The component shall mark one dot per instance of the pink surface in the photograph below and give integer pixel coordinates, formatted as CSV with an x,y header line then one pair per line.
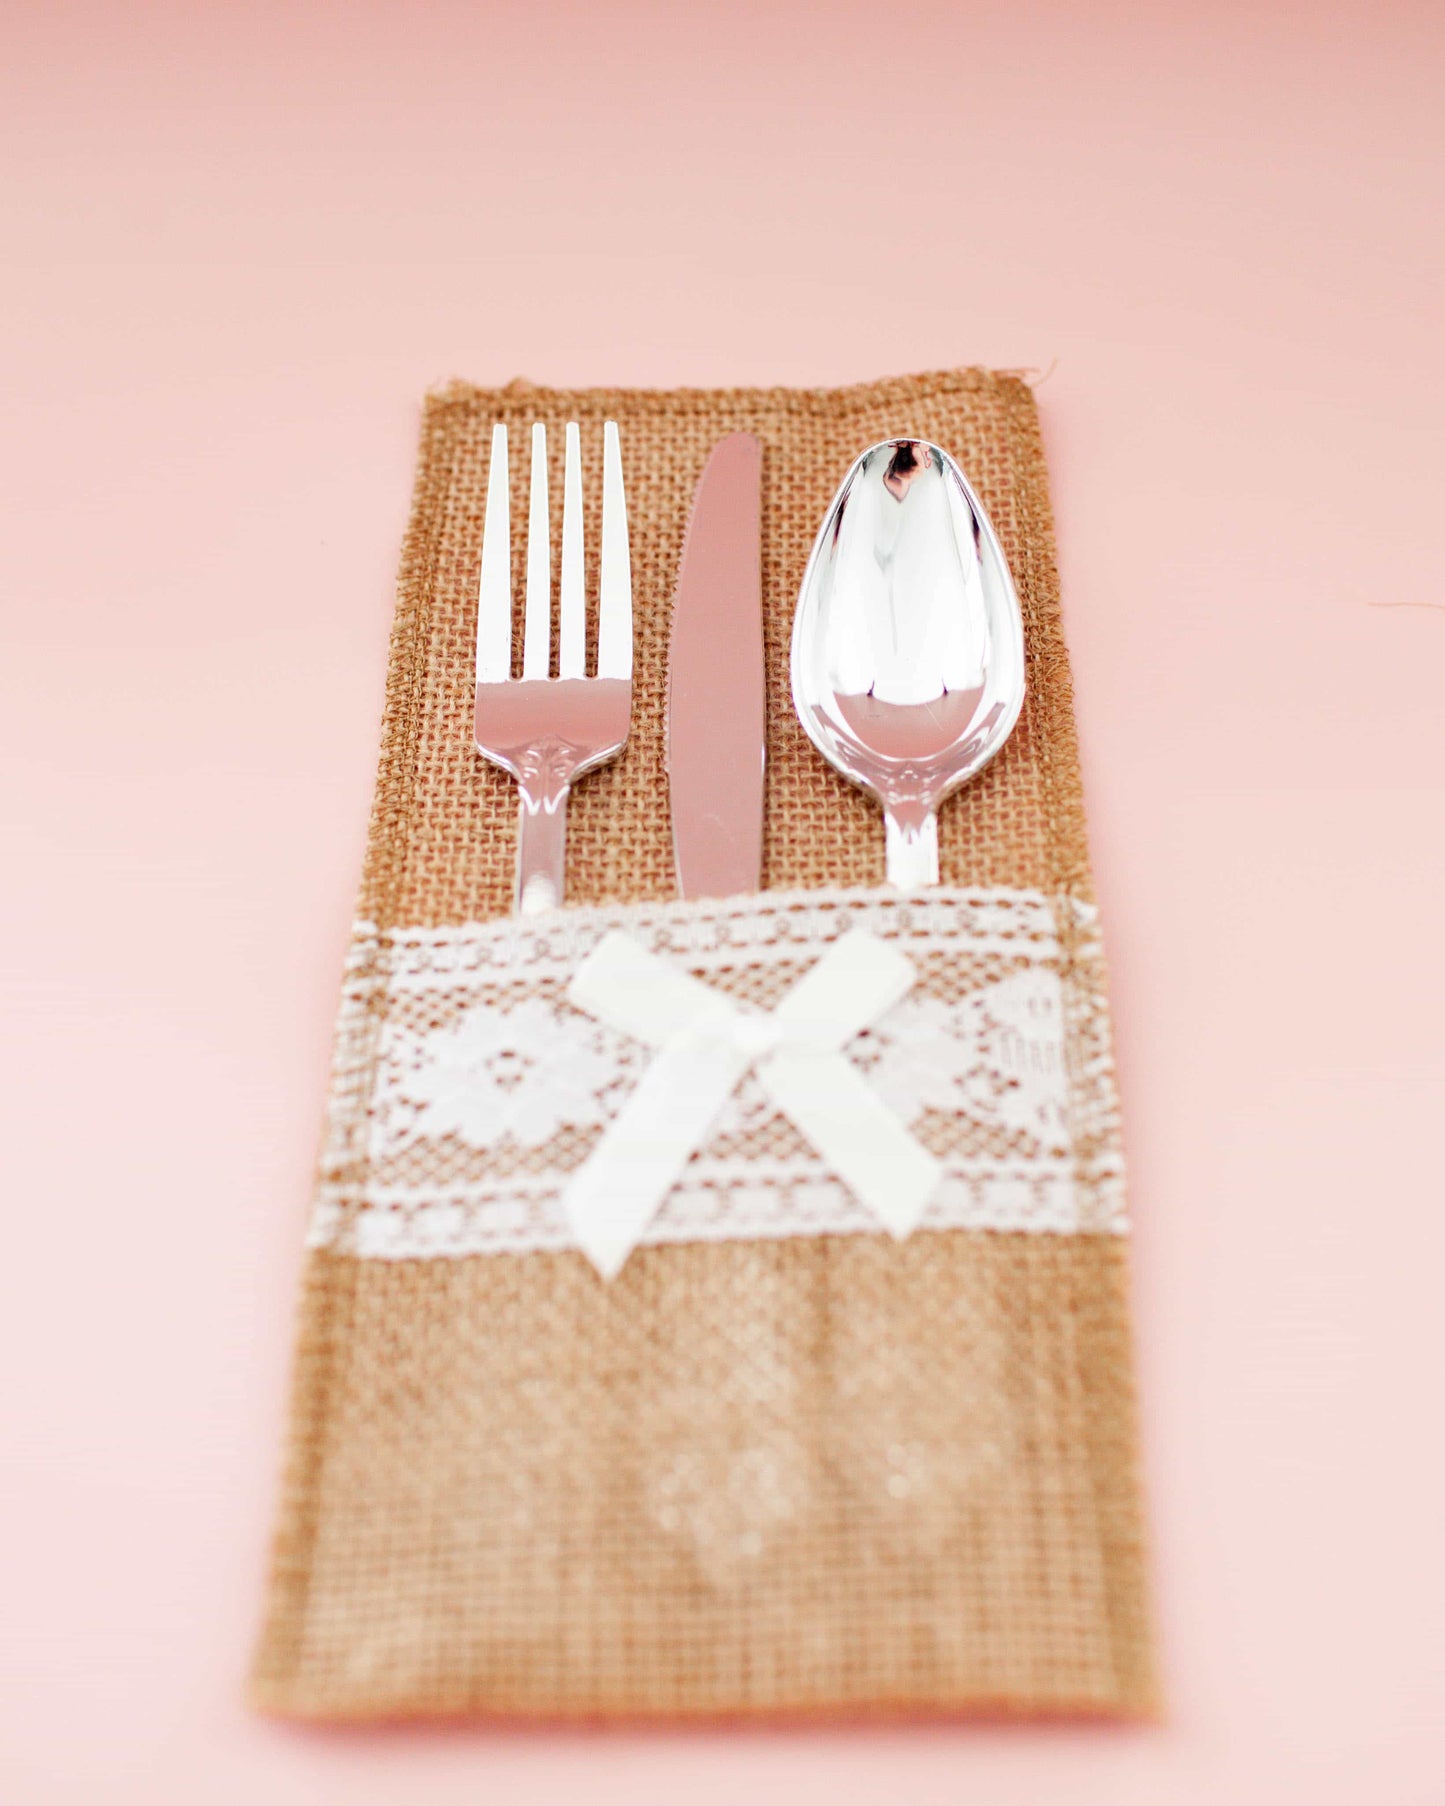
x,y
239,242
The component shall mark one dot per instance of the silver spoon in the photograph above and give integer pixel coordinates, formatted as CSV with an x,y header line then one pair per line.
x,y
908,644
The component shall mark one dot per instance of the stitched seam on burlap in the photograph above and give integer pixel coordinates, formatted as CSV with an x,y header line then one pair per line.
x,y
323,1323
1069,834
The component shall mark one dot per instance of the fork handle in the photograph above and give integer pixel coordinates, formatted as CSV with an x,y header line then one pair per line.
x,y
541,850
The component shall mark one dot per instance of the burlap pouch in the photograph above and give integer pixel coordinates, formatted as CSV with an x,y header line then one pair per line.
x,y
783,1463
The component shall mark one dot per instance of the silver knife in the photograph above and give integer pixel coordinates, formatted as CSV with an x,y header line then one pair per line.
x,y
715,696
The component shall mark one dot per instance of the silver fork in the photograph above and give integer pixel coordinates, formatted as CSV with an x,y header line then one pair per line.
x,y
547,731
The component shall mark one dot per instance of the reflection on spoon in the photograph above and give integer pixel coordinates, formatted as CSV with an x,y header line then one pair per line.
x,y
909,458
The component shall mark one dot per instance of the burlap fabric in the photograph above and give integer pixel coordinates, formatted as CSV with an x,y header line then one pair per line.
x,y
813,1474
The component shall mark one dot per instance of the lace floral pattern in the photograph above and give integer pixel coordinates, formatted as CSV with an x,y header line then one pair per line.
x,y
498,1075
467,1087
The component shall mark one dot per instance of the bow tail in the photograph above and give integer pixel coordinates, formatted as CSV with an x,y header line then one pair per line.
x,y
856,1133
618,1190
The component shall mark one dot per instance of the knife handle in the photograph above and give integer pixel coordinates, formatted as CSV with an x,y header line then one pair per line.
x,y
541,849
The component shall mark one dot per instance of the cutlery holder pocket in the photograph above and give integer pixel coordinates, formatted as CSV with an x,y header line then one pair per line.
x,y
793,1457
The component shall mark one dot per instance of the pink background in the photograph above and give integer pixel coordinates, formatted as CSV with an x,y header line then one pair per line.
x,y
238,244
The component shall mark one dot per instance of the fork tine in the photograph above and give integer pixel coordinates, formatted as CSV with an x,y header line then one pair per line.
x,y
614,627
494,589
572,613
537,625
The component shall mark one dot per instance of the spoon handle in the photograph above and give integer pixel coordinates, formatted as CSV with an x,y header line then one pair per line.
x,y
912,848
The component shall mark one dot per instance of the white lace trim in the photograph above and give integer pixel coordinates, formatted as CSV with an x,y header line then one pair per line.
x,y
466,1087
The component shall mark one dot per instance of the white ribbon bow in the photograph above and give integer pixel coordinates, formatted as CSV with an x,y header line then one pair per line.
x,y
705,1043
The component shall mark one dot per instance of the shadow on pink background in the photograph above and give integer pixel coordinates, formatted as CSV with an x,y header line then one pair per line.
x,y
239,243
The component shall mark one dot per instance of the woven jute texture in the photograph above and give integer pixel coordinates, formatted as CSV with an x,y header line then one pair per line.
x,y
809,1475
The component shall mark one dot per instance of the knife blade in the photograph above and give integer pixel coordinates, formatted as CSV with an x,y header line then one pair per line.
x,y
715,695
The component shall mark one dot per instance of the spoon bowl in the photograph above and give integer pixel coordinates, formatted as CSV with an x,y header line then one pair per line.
x,y
908,646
